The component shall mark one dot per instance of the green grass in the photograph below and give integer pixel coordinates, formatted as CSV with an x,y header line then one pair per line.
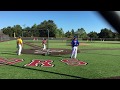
x,y
101,63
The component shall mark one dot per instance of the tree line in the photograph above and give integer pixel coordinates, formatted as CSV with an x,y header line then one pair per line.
x,y
41,30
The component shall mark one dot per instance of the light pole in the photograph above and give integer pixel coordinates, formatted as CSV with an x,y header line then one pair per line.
x,y
23,29
48,43
22,32
14,34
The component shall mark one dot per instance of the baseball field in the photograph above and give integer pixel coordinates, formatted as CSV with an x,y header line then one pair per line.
x,y
95,60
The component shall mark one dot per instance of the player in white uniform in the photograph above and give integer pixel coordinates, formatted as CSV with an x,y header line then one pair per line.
x,y
19,43
74,45
44,44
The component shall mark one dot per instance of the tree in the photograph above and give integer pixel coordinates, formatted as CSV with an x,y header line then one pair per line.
x,y
50,25
106,33
27,32
60,33
34,31
93,34
17,30
73,32
5,31
81,33
116,35
8,31
68,34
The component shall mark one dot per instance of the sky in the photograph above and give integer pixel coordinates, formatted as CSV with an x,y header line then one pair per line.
x,y
67,20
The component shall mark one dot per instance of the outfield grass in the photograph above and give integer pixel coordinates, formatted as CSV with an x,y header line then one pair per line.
x,y
101,63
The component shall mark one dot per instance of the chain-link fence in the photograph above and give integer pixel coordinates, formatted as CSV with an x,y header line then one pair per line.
x,y
4,37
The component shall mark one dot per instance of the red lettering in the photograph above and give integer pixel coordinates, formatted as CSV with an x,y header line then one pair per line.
x,y
46,63
74,62
33,63
2,61
10,61
14,61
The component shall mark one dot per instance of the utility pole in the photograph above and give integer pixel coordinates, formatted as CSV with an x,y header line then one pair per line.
x,y
23,29
48,43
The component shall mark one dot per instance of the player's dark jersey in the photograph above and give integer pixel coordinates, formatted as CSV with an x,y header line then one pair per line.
x,y
74,43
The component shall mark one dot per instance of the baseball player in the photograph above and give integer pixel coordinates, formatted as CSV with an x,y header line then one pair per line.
x,y
74,44
19,43
44,41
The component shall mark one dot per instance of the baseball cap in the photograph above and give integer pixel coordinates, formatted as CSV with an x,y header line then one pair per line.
x,y
75,36
19,36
